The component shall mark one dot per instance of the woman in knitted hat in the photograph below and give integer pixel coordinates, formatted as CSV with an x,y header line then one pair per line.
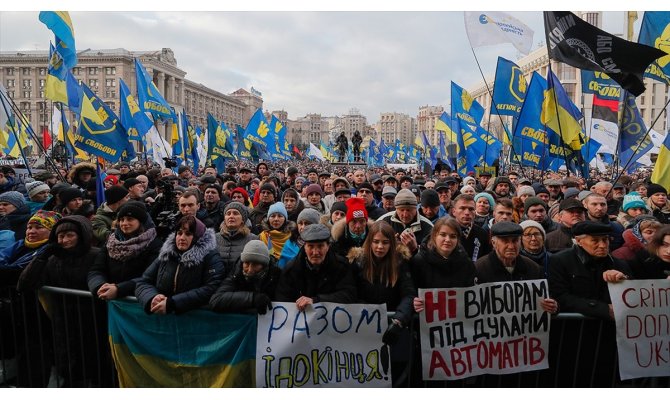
x,y
294,205
484,204
632,206
307,217
276,229
314,196
233,234
14,214
532,244
17,256
130,248
71,199
384,277
186,273
64,263
38,195
657,203
241,196
252,284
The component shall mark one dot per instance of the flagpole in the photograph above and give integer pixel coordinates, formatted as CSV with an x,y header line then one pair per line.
x,y
494,106
16,137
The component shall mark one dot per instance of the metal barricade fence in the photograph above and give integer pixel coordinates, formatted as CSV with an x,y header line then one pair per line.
x,y
58,338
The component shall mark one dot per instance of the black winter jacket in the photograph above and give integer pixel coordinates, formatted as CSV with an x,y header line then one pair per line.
x,y
332,282
188,279
491,269
430,270
236,293
17,222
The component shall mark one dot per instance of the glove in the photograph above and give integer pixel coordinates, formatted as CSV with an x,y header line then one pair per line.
x,y
392,334
262,303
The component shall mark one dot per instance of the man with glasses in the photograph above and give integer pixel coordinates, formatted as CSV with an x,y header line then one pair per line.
x,y
377,185
366,192
444,192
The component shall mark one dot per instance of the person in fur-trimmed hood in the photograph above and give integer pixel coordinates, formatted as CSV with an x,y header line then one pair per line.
x,y
353,230
186,273
80,174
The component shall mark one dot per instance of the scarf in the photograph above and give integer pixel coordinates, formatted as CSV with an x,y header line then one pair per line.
x,y
34,245
276,241
637,233
466,231
123,250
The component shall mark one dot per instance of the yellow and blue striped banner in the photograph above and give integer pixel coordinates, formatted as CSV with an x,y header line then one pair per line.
x,y
196,349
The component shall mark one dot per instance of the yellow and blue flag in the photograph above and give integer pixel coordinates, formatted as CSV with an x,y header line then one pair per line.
x,y
559,114
633,140
530,138
220,143
61,85
243,145
661,173
281,144
100,132
475,145
655,32
136,123
257,129
150,99
509,88
60,24
196,349
190,142
446,124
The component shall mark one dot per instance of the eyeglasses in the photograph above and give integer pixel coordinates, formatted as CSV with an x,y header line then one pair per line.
x,y
532,235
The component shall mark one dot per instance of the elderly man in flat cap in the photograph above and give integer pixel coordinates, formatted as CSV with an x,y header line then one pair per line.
x,y
317,273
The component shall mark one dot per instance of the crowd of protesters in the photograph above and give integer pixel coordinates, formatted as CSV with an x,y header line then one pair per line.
x,y
307,232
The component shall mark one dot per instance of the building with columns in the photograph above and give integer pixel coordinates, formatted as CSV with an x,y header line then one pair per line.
x,y
24,76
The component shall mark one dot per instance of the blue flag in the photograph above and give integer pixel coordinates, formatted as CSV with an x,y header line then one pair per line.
x,y
530,138
60,24
136,123
61,86
509,88
189,137
654,32
633,141
220,143
599,83
471,138
99,185
257,130
150,99
100,132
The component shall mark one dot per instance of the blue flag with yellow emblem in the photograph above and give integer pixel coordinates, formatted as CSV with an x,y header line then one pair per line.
x,y
100,132
136,123
633,140
257,129
61,86
509,88
190,142
219,143
530,137
600,83
655,32
60,24
150,99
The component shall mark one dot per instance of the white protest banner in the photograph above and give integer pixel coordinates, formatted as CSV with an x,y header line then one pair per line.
x,y
327,345
642,316
494,328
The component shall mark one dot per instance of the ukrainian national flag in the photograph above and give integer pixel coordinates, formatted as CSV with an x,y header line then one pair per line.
x,y
60,24
559,114
196,349
661,173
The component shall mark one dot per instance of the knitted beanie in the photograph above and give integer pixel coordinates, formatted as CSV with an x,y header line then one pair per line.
x,y
36,187
404,198
310,215
654,188
356,208
241,191
14,198
488,197
45,218
313,188
115,193
529,223
525,190
278,208
255,251
633,200
69,194
133,209
233,205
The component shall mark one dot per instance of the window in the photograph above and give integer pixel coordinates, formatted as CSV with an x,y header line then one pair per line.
x,y
653,114
92,70
10,83
79,81
76,71
10,71
110,93
10,94
110,82
41,94
110,70
111,104
27,83
26,94
43,71
642,99
42,82
25,71
25,106
93,83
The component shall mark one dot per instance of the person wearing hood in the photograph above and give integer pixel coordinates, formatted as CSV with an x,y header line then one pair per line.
x,y
484,205
38,195
186,273
104,217
636,238
14,215
233,235
353,230
294,205
80,174
276,230
252,284
64,263
125,255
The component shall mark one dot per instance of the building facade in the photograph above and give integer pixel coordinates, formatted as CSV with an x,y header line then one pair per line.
x,y
392,126
426,119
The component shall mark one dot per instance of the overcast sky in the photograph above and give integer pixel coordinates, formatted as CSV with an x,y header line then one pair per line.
x,y
302,62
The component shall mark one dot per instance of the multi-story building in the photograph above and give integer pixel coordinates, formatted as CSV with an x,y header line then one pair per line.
x,y
352,122
392,126
252,101
24,75
428,116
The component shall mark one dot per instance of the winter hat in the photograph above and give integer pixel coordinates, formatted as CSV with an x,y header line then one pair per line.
x,y
115,194
278,208
633,200
338,206
533,201
59,187
14,198
69,194
45,218
301,179
313,188
255,251
269,187
356,208
290,192
242,192
239,207
35,187
310,215
183,168
571,193
529,223
112,178
133,209
654,188
430,198
200,228
488,197
404,198
130,182
525,190
468,179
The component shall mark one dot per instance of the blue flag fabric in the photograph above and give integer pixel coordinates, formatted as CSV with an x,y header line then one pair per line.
x,y
60,24
471,138
601,84
654,32
100,133
136,123
530,137
243,146
99,186
509,89
189,137
220,143
633,141
150,99
257,128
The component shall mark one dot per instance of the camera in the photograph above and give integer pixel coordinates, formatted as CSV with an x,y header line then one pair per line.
x,y
170,162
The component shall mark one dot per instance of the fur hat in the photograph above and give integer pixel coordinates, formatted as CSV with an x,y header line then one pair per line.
x,y
255,251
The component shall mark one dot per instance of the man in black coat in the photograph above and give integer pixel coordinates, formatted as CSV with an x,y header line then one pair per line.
x,y
317,274
474,239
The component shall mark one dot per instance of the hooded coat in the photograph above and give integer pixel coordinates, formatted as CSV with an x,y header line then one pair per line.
x,y
16,221
236,293
342,239
187,278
